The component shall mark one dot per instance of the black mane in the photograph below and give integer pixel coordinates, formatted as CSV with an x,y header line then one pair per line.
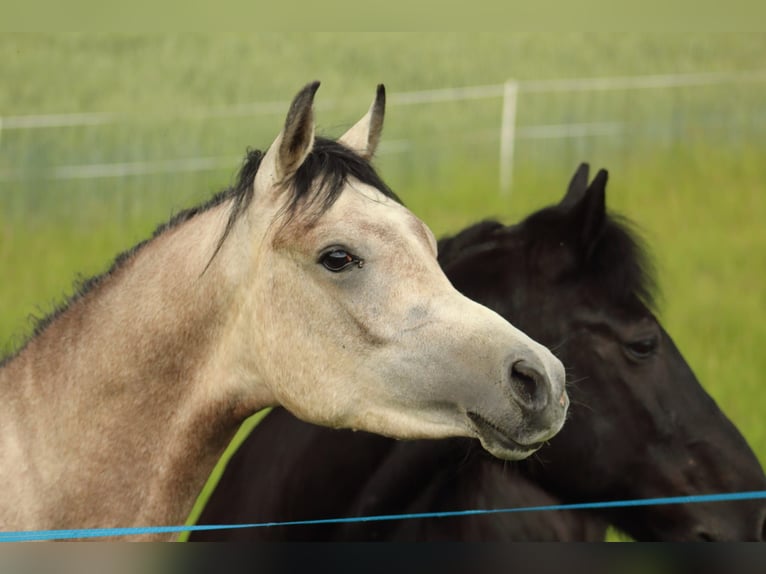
x,y
329,164
622,264
482,235
619,261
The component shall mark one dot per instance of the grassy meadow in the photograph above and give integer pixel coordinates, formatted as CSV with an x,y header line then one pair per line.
x,y
686,163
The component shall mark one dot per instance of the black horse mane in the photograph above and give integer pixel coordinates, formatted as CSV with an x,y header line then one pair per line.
x,y
329,164
619,261
622,264
482,235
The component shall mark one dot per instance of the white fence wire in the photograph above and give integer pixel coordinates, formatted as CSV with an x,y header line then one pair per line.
x,y
664,81
512,95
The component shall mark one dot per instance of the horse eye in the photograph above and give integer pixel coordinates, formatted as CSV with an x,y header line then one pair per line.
x,y
338,259
642,349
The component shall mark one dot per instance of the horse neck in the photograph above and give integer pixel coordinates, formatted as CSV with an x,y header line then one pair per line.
x,y
119,402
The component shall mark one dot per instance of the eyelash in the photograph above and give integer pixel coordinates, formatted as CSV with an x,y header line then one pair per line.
x,y
641,349
338,259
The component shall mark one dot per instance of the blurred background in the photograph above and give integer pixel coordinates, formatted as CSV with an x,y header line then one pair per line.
x,y
102,137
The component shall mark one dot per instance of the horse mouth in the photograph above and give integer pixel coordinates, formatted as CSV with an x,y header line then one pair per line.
x,y
497,442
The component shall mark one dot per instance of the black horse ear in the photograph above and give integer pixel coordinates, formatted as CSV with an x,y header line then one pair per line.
x,y
590,213
578,185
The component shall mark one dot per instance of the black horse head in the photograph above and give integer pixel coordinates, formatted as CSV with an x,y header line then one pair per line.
x,y
641,426
577,279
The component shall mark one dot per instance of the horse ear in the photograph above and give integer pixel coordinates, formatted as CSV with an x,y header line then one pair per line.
x,y
289,150
591,213
363,137
578,185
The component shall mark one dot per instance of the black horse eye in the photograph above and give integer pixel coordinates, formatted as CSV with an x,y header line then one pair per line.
x,y
338,259
642,348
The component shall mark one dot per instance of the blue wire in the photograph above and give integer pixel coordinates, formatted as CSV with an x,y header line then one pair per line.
x,y
38,535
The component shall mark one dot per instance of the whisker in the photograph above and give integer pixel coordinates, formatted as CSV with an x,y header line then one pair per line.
x,y
561,343
575,382
580,404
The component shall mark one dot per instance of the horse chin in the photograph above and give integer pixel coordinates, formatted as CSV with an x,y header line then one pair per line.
x,y
504,452
498,442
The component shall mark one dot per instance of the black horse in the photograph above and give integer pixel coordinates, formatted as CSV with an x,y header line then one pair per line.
x,y
576,279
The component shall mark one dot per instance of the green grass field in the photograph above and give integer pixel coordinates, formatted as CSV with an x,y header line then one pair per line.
x,y
687,164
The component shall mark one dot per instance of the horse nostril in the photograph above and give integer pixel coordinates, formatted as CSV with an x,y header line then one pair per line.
x,y
703,536
529,385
